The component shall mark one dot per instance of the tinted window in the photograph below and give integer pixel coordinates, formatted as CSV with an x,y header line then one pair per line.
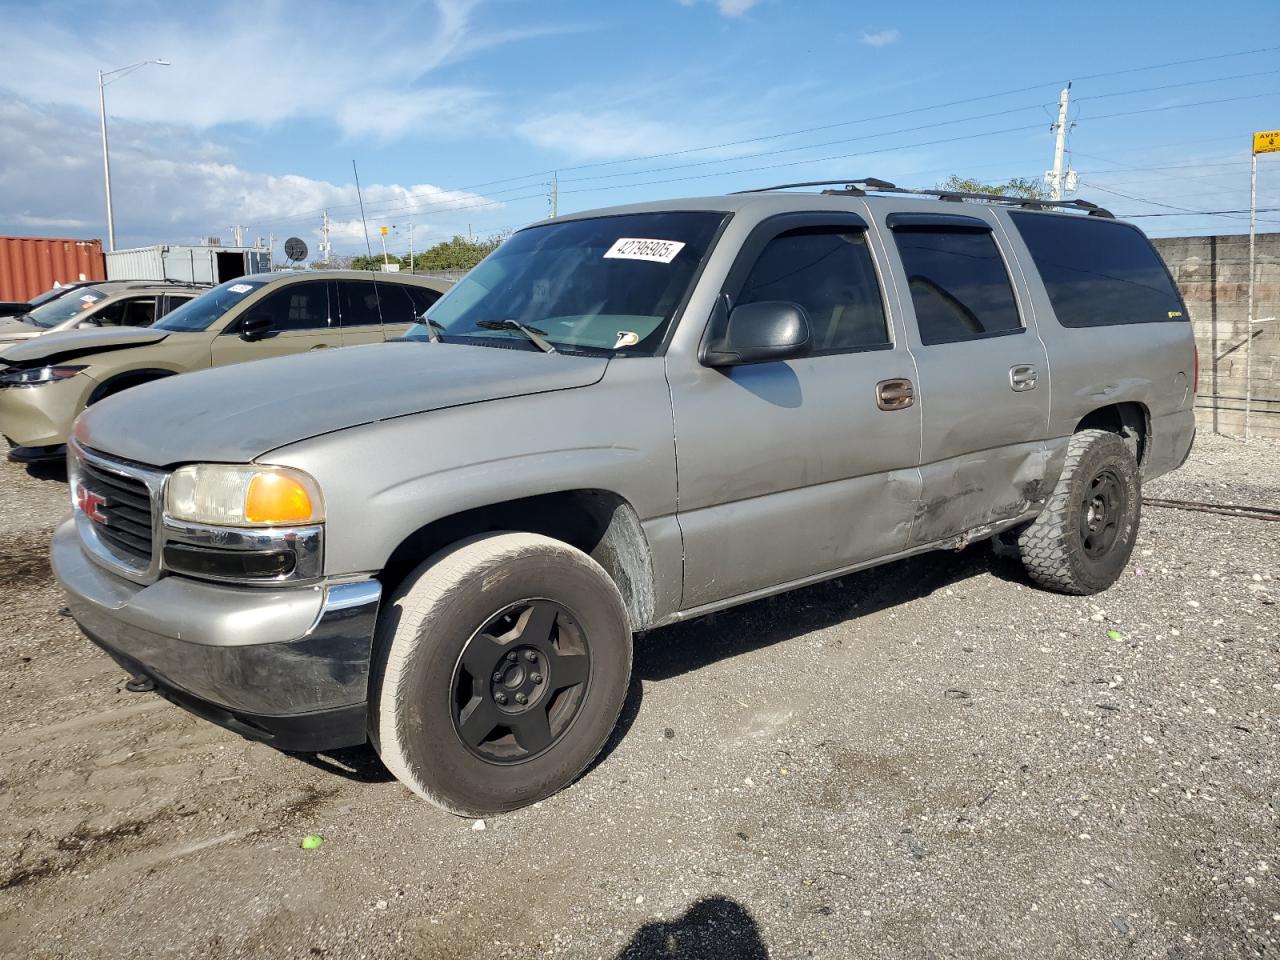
x,y
172,302
959,285
1099,273
398,307
603,283
299,306
423,299
827,271
358,301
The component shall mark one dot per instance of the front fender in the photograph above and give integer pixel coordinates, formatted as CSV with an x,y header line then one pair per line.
x,y
382,481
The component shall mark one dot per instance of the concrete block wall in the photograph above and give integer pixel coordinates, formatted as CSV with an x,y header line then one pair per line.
x,y
1213,275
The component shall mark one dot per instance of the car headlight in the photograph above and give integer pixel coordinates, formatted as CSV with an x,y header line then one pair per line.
x,y
32,376
243,496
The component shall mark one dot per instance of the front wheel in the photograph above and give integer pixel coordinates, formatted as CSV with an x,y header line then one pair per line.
x,y
502,665
1082,539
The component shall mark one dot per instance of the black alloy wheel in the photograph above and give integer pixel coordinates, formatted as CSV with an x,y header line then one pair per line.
x,y
520,682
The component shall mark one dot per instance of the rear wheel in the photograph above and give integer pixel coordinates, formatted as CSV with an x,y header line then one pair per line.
x,y
1082,540
503,664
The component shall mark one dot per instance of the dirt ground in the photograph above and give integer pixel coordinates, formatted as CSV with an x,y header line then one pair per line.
x,y
928,759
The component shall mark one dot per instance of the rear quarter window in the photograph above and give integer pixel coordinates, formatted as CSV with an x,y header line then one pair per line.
x,y
1099,273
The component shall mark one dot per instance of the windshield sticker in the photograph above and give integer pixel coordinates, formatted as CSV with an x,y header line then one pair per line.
x,y
638,248
240,287
626,339
89,298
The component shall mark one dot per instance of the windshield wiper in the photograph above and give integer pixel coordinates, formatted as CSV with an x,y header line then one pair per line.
x,y
536,336
434,329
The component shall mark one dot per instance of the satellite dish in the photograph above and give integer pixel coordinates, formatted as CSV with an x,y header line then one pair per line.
x,y
295,249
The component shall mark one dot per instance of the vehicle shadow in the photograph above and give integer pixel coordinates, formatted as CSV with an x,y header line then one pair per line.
x,y
714,928
671,651
48,470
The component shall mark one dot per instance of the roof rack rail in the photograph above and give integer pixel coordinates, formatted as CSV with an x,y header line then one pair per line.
x,y
859,188
167,280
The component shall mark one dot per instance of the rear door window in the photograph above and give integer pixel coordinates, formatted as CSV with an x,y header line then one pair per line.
x,y
827,271
423,298
358,302
959,284
1099,273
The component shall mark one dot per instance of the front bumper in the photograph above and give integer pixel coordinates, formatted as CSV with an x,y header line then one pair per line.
x,y
41,416
287,666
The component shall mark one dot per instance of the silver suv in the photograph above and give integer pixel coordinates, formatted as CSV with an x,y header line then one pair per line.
x,y
621,419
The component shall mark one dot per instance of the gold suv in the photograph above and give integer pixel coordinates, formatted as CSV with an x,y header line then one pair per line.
x,y
108,303
46,382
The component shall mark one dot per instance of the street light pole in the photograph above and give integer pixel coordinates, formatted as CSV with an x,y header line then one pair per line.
x,y
106,156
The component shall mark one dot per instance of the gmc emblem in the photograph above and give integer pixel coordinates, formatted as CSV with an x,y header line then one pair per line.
x,y
91,504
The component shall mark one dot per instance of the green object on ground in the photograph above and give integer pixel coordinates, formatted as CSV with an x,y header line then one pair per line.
x,y
312,841
1115,635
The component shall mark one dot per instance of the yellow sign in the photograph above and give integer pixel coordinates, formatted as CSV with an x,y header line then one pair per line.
x,y
384,229
1266,141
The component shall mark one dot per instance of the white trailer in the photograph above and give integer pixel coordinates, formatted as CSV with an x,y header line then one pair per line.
x,y
199,264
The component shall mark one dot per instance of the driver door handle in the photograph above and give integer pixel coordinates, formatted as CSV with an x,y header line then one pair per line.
x,y
896,394
1022,377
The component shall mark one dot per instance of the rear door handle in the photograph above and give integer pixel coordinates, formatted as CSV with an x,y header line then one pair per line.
x,y
897,394
1023,377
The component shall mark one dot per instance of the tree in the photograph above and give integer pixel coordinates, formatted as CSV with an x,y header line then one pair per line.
x,y
1027,187
459,253
367,263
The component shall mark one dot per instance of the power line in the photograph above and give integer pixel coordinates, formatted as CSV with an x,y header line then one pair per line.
x,y
900,113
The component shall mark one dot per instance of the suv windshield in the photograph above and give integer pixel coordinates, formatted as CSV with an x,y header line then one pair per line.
x,y
197,314
62,309
609,283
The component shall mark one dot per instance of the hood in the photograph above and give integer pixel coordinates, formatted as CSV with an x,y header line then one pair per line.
x,y
15,328
235,414
67,345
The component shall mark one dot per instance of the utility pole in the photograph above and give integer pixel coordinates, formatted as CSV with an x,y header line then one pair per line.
x,y
411,246
117,74
1248,330
555,195
325,253
1060,180
237,234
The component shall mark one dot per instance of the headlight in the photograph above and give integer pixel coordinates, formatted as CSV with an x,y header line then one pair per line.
x,y
243,496
32,376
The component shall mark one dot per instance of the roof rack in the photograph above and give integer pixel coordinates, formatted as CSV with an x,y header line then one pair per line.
x,y
860,188
133,284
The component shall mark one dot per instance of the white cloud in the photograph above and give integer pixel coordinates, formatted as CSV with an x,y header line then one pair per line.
x,y
171,187
728,8
880,38
259,62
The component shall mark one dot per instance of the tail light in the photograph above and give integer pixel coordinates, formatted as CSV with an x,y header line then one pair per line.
x,y
1195,352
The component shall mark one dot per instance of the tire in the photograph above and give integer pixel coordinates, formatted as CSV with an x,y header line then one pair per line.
x,y
490,619
1081,541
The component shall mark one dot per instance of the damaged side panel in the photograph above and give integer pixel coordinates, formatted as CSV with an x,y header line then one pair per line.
x,y
755,543
967,496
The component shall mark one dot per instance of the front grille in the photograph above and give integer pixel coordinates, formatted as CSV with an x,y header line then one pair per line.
x,y
123,518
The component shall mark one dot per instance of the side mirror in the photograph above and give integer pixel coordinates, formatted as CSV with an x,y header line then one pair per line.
x,y
756,333
255,326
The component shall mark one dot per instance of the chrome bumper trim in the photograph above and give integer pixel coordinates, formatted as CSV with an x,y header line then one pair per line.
x,y
280,652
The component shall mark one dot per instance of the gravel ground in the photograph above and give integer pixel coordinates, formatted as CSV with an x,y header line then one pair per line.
x,y
928,759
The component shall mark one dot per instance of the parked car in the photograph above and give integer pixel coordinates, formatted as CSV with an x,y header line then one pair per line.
x,y
122,303
18,308
619,420
45,384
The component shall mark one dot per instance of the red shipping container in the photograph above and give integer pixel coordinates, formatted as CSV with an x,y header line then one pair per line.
x,y
31,265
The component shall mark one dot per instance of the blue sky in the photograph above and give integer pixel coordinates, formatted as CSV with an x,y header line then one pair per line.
x,y
457,111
